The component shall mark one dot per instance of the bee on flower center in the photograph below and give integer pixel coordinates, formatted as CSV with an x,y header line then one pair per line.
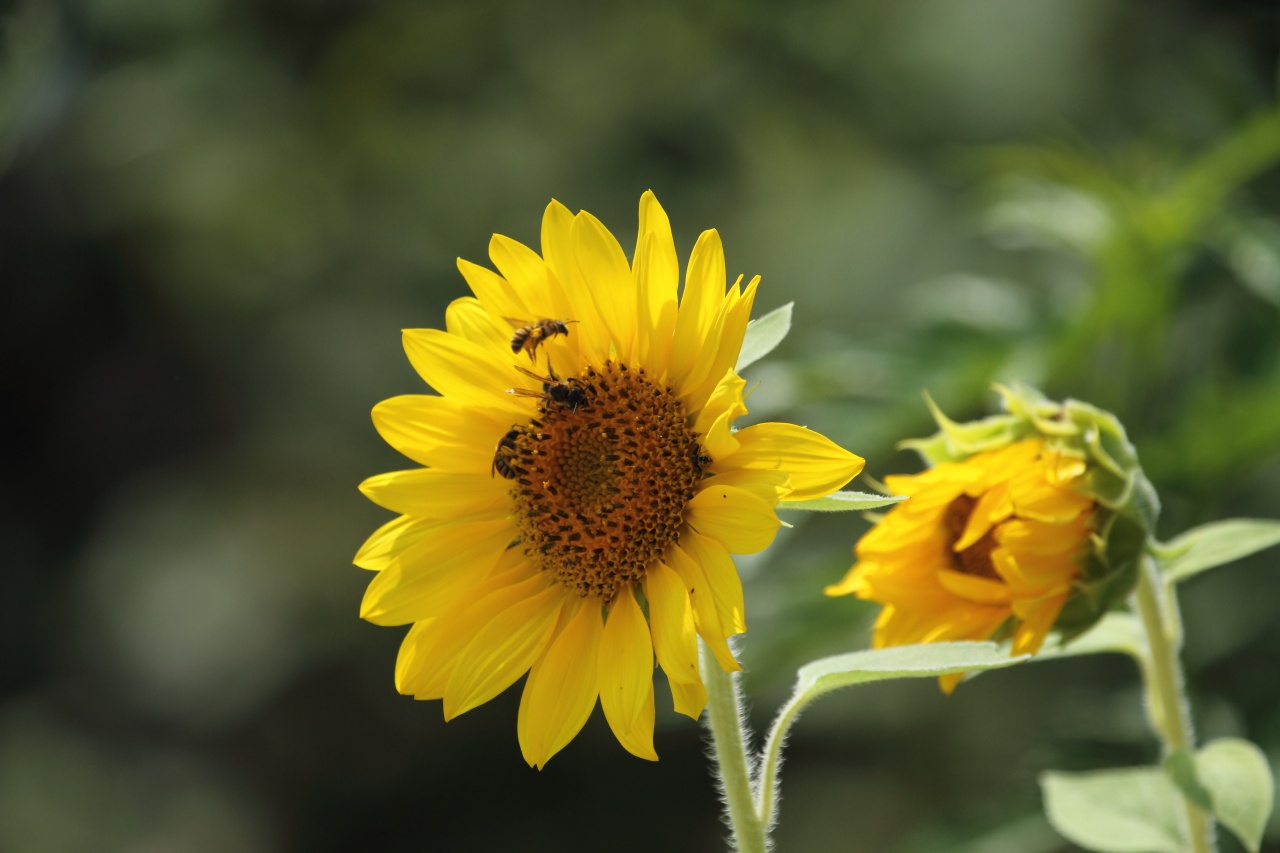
x,y
503,454
698,458
568,393
529,337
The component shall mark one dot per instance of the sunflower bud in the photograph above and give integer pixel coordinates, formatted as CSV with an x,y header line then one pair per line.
x,y
1026,521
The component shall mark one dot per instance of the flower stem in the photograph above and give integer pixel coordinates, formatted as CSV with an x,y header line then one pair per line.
x,y
1157,605
729,751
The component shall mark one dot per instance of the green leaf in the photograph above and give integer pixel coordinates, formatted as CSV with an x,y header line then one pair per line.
x,y
923,661
763,335
843,502
829,674
1114,632
1216,544
1237,778
1133,810
1181,768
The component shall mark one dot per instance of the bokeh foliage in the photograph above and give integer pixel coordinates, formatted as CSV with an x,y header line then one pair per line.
x,y
216,215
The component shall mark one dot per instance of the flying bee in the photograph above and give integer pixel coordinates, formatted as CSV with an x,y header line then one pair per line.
x,y
568,393
502,456
530,337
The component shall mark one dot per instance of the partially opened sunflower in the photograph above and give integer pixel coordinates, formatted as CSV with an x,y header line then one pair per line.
x,y
1026,522
582,489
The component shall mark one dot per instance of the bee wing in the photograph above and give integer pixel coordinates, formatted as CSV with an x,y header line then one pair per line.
x,y
529,373
517,324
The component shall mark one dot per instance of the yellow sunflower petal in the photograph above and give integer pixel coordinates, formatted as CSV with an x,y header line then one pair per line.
x,y
704,287
675,641
526,270
426,578
697,365
657,274
816,465
664,271
439,432
1038,500
689,699
850,584
1037,618
431,648
722,575
612,286
427,493
768,486
742,522
468,318
589,330
561,689
505,642
1039,538
461,370
494,292
706,616
557,240
1033,575
727,341
390,540
714,419
638,739
993,507
657,310
625,675
972,588
412,655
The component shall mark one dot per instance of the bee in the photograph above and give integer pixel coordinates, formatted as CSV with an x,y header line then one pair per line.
x,y
530,337
502,456
568,393
698,458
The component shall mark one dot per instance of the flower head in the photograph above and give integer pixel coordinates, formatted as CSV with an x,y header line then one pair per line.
x,y
1026,522
582,491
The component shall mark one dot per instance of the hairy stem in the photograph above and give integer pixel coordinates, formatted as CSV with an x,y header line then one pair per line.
x,y
729,751
1166,689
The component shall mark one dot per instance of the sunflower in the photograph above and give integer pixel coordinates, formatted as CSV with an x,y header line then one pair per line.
x,y
582,490
989,543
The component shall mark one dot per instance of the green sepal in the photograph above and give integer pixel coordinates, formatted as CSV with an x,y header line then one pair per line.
x,y
955,442
1090,601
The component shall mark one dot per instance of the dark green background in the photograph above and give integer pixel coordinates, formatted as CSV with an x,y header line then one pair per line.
x,y
216,216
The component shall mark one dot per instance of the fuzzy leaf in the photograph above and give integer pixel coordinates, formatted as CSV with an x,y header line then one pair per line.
x,y
763,335
1114,632
1216,544
1133,810
1237,778
843,502
923,661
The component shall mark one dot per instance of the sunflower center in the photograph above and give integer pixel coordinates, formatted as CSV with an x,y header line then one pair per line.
x,y
976,559
602,477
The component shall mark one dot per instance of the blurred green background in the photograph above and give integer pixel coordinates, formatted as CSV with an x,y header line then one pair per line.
x,y
216,216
